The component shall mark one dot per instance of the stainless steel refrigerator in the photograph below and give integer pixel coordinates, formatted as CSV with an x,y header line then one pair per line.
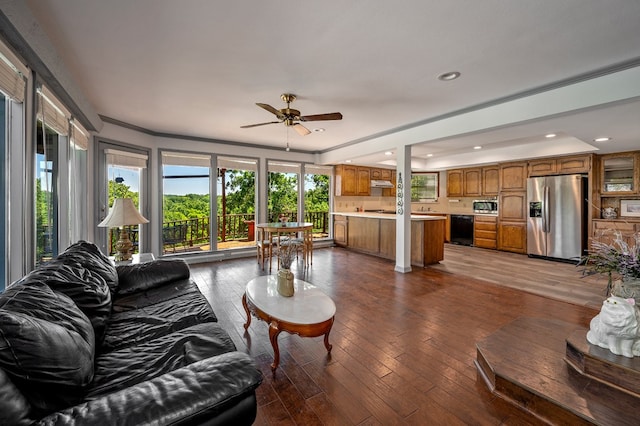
x,y
556,226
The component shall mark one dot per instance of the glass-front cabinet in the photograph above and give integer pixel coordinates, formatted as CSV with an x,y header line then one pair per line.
x,y
619,173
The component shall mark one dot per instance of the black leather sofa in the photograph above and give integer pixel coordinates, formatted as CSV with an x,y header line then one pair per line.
x,y
85,343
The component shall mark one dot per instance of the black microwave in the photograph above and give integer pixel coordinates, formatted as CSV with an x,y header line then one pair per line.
x,y
485,206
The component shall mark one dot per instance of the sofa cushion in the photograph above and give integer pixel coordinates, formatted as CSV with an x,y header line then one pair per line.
x,y
134,364
45,340
14,407
143,276
96,263
88,290
151,320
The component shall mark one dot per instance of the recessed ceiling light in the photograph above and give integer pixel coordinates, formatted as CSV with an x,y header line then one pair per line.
x,y
319,129
347,161
604,139
388,153
429,155
477,147
550,135
448,76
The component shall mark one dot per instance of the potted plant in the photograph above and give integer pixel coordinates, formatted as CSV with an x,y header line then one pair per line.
x,y
620,260
287,252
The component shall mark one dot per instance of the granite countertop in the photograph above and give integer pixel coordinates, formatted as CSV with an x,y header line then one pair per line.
x,y
374,215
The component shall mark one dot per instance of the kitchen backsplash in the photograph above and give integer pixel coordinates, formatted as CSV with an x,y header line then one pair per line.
x,y
461,205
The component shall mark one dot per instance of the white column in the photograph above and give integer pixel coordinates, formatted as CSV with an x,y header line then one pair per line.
x,y
403,209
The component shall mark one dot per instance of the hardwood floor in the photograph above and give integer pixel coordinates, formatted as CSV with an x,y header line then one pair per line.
x,y
404,345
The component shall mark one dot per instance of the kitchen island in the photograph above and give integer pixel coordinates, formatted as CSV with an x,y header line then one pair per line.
x,y
375,233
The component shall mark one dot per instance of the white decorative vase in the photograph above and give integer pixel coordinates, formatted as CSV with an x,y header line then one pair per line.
x,y
285,282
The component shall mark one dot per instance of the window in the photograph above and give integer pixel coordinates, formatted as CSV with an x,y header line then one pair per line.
x,y
316,198
13,79
424,186
283,191
186,202
236,202
122,172
51,140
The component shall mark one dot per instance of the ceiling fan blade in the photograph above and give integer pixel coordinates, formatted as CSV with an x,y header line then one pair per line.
x,y
321,117
271,109
302,131
259,124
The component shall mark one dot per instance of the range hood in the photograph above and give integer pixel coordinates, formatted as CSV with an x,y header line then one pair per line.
x,y
375,183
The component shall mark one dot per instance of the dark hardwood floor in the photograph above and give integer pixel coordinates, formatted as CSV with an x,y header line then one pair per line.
x,y
404,345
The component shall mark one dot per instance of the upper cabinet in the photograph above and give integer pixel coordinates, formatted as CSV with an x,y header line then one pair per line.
x,y
472,179
490,180
352,180
513,176
619,173
560,166
472,182
455,183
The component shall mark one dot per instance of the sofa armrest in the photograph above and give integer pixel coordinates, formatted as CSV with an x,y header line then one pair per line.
x,y
144,276
190,395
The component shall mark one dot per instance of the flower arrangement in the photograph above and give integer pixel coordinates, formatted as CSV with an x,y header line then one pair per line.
x,y
620,260
287,253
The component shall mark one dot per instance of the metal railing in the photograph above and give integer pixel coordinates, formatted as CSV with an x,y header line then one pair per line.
x,y
231,227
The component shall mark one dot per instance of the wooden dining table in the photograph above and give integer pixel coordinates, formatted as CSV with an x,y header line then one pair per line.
x,y
274,231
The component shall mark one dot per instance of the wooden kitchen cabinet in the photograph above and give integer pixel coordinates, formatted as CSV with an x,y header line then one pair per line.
x,y
472,182
512,222
389,192
490,180
574,164
352,180
340,230
604,230
455,183
513,176
513,206
560,166
512,236
363,234
619,174
543,167
485,231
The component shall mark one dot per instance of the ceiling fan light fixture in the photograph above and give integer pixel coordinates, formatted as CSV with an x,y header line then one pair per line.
x,y
448,76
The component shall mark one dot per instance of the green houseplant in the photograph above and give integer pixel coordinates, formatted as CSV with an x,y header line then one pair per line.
x,y
620,260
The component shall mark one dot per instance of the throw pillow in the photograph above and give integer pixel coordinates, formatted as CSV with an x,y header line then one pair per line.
x,y
45,339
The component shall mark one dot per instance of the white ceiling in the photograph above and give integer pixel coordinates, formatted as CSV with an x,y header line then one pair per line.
x,y
197,68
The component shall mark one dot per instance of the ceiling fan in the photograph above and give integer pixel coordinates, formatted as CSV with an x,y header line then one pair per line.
x,y
292,117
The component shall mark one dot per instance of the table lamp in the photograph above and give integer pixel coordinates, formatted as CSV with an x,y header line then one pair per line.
x,y
123,213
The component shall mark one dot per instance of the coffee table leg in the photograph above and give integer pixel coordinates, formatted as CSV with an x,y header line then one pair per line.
x,y
274,331
326,337
246,309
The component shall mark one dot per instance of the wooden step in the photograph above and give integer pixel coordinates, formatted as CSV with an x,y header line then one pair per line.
x,y
603,365
524,363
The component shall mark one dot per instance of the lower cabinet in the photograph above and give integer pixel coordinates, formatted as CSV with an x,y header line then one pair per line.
x,y
363,234
340,227
485,232
605,231
512,236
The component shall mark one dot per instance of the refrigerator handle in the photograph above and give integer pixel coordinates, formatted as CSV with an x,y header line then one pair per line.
x,y
545,211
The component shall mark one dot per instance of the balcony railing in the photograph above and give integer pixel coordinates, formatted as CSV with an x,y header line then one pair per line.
x,y
193,232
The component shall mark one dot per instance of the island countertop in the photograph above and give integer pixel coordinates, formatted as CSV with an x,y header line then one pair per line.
x,y
374,215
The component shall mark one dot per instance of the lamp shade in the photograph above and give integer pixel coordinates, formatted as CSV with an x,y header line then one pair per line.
x,y
122,213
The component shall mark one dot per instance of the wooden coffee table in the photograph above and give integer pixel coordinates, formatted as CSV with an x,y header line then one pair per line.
x,y
308,313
